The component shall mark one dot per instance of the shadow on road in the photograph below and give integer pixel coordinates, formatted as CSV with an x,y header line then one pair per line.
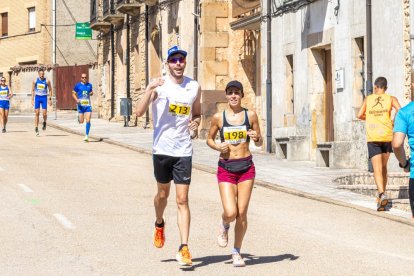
x,y
10,131
249,259
56,135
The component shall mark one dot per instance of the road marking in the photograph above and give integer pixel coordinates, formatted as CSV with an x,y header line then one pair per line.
x,y
64,221
20,116
34,201
25,188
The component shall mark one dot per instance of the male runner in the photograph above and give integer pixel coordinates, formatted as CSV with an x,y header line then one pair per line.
x,y
5,95
376,110
176,110
40,88
82,93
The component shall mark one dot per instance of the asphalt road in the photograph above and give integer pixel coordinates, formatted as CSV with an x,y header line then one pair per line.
x,y
74,208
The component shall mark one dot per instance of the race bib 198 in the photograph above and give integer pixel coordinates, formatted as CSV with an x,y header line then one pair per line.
x,y
178,109
3,92
235,134
40,86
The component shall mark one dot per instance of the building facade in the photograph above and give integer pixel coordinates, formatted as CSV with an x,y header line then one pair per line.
x,y
136,35
24,44
27,35
319,74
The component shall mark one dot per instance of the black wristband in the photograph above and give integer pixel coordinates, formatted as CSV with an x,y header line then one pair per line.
x,y
406,164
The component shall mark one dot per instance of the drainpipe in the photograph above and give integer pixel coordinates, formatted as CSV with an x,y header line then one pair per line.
x,y
195,72
128,61
269,78
146,60
54,32
54,55
369,60
369,49
112,72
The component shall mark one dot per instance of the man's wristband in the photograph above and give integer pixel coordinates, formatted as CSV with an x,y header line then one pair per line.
x,y
407,163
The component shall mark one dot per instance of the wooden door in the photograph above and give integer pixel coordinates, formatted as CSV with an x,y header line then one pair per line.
x,y
66,78
329,107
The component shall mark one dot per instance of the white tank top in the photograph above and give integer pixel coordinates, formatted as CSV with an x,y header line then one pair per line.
x,y
171,112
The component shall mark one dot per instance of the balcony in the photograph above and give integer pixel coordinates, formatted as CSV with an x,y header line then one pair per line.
x,y
248,14
130,7
249,22
110,14
240,7
96,22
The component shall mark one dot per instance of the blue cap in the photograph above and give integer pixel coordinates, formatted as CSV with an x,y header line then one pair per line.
x,y
175,50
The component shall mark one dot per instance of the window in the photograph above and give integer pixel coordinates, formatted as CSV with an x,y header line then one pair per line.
x,y
290,92
32,19
4,24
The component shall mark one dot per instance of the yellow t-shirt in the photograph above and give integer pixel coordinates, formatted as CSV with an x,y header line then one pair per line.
x,y
378,118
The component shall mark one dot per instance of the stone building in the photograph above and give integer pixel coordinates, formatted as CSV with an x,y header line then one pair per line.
x,y
122,53
24,43
27,38
319,60
140,33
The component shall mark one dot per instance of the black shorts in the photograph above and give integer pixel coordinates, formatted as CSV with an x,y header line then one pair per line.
x,y
167,168
375,148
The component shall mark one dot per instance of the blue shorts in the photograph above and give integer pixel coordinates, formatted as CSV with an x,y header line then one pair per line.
x,y
5,104
83,109
40,100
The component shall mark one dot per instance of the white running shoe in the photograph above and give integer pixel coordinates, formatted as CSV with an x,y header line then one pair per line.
x,y
238,260
86,139
223,235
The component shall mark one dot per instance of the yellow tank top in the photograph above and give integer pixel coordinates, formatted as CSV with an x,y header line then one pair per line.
x,y
378,118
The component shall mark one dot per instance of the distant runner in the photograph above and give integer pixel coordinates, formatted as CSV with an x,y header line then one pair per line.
x,y
5,95
40,88
82,93
376,110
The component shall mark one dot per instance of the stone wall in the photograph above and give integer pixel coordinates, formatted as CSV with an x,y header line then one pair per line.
x,y
225,55
137,78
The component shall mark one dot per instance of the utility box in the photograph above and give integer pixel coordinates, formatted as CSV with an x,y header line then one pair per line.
x,y
126,107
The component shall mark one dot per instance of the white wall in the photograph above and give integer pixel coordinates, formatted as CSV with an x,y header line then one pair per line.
x,y
316,26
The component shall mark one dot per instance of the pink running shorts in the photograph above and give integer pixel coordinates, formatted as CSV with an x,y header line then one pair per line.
x,y
224,175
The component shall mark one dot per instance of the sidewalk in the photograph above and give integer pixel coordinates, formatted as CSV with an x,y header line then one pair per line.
x,y
296,177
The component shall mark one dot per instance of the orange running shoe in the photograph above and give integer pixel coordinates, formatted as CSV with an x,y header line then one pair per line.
x,y
184,257
159,236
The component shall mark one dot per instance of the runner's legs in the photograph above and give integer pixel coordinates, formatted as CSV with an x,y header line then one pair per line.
x,y
244,191
183,215
228,194
385,157
2,117
6,118
160,200
378,174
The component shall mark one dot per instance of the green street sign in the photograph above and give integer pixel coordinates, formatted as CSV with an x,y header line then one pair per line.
x,y
83,31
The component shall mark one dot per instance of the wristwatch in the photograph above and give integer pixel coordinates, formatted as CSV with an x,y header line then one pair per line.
x,y
406,164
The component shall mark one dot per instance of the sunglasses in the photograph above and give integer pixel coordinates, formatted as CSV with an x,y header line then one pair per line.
x,y
83,77
174,60
3,80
